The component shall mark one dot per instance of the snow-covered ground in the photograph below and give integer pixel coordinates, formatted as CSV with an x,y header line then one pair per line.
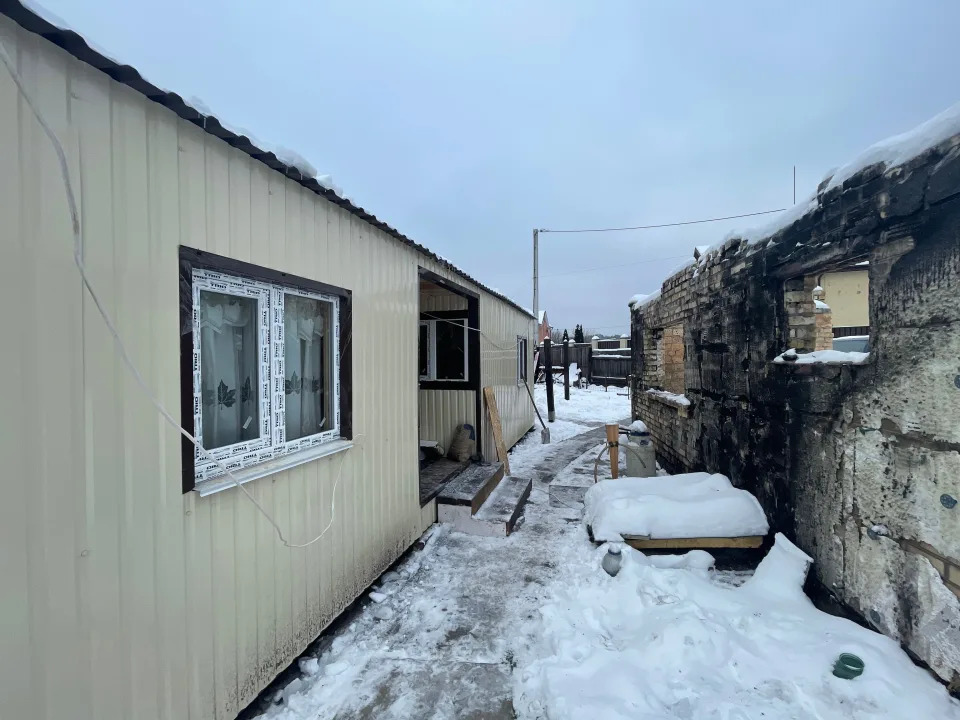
x,y
589,405
530,627
658,643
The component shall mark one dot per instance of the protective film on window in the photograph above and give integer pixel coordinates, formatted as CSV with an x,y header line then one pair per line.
x,y
230,370
308,366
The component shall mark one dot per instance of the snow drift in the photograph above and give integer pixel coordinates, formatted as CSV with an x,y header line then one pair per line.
x,y
668,643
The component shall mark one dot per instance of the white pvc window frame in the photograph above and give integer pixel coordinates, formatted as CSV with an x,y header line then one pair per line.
x,y
521,360
430,325
284,446
432,349
271,441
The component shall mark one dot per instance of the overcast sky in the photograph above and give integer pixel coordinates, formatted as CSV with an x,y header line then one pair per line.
x,y
465,124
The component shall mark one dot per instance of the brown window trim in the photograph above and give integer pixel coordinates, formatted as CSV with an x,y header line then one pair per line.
x,y
191,258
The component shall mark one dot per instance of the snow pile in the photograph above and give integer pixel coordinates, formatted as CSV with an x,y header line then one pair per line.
x,y
676,506
657,643
639,426
670,397
820,305
825,357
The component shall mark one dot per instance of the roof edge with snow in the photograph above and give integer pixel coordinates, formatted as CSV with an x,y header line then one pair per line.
x,y
77,46
941,133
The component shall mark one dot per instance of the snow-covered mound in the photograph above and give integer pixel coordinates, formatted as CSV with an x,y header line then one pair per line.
x,y
670,644
673,506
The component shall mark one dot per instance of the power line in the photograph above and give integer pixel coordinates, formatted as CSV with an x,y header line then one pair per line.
x,y
618,265
663,225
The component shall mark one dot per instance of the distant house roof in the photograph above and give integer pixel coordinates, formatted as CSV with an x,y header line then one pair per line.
x,y
77,46
541,316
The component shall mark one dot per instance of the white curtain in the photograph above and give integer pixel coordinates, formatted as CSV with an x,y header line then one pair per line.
x,y
305,321
228,369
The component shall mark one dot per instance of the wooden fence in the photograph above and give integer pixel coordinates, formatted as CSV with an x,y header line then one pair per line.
x,y
599,367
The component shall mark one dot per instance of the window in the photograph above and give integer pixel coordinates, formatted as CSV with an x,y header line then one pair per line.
x,y
265,365
521,360
443,349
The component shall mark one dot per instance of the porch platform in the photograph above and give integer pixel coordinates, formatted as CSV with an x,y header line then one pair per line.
x,y
436,475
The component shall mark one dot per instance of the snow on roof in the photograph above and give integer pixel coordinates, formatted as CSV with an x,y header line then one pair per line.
x,y
820,305
36,19
540,315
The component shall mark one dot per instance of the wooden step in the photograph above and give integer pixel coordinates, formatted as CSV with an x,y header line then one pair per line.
x,y
499,515
436,475
472,487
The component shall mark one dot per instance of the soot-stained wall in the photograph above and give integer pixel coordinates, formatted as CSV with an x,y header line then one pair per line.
x,y
859,464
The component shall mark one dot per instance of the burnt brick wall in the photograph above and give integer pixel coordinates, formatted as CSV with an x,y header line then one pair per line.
x,y
860,465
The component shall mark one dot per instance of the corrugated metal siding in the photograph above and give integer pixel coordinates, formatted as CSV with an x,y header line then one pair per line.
x,y
442,410
122,597
501,325
436,301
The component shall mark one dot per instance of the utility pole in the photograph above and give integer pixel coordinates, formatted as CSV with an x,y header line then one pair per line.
x,y
536,274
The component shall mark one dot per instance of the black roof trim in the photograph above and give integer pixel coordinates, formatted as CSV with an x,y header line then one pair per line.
x,y
74,44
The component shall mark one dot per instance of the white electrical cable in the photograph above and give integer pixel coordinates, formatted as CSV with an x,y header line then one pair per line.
x,y
482,334
78,259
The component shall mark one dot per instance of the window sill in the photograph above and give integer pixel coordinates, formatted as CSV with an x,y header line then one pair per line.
x,y
270,467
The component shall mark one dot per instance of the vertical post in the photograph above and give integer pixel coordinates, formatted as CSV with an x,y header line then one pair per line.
x,y
536,275
613,442
590,365
566,371
548,378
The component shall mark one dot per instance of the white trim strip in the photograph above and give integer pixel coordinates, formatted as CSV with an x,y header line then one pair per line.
x,y
270,467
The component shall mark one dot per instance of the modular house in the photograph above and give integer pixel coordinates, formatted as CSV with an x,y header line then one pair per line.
x,y
309,346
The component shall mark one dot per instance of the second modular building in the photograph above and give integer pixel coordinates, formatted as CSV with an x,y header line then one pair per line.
x,y
309,346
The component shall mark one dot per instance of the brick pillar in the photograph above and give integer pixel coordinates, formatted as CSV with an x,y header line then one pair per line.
x,y
801,318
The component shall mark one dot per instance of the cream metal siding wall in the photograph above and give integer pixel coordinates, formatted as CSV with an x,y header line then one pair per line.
x,y
122,597
443,300
501,325
442,410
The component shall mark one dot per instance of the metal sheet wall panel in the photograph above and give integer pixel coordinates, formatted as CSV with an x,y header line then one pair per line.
x,y
442,300
442,410
124,598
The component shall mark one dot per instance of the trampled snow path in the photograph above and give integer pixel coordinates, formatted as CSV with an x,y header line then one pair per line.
x,y
441,643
